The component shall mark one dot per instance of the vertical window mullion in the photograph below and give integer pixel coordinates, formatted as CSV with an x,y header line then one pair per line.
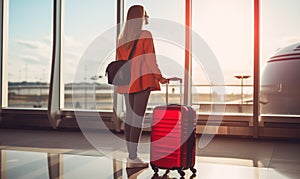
x,y
54,90
3,52
256,69
188,53
117,99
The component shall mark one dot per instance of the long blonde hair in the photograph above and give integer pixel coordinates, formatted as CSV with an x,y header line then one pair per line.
x,y
133,26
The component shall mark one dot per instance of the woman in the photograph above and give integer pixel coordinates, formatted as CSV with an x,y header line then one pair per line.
x,y
145,77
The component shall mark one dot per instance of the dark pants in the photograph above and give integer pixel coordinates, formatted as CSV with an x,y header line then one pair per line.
x,y
136,104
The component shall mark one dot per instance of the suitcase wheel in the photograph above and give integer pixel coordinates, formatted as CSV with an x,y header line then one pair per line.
x,y
154,168
193,170
193,176
181,173
155,176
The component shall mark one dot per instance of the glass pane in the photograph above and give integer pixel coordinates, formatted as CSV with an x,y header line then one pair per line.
x,y
226,27
29,53
280,57
84,22
166,24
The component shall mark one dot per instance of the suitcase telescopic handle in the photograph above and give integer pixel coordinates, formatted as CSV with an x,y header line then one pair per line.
x,y
167,88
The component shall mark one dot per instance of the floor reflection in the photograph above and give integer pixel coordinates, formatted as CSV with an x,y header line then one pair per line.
x,y
166,176
24,164
17,164
133,173
141,173
41,165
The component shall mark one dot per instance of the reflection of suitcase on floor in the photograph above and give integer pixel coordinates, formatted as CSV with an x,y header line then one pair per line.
x,y
173,137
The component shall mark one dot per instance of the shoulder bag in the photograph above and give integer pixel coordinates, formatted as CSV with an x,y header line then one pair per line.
x,y
119,72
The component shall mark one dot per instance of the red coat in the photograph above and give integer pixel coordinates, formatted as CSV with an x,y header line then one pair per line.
x,y
144,69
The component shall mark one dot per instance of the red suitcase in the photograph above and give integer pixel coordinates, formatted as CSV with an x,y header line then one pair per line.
x,y
173,137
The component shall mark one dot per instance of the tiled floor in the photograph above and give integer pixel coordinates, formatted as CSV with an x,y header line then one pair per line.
x,y
68,154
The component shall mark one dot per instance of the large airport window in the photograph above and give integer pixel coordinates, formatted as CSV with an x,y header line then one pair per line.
x,y
167,26
280,58
226,27
28,57
86,23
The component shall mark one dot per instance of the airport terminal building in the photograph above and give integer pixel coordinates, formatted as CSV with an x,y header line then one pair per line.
x,y
238,62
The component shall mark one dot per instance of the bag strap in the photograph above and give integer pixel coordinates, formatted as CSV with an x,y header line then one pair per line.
x,y
131,54
133,49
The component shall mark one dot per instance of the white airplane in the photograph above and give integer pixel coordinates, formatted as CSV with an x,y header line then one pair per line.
x,y
280,83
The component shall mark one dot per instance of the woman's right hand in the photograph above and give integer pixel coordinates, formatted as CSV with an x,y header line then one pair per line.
x,y
163,80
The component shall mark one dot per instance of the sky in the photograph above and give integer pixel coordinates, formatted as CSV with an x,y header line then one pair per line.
x,y
226,26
